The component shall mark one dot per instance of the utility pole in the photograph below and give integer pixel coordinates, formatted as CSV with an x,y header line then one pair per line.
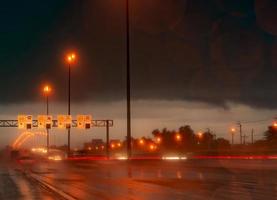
x,y
244,139
252,136
128,82
107,140
240,131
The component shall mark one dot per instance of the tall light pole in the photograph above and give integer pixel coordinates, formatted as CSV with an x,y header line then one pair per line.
x,y
233,131
47,90
128,83
240,131
70,60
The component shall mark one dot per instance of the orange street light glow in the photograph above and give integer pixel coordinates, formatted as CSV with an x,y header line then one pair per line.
x,y
159,140
233,130
71,57
200,134
178,137
152,147
141,142
275,124
119,144
47,89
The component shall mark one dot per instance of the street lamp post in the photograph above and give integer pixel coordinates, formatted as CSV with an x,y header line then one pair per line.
x,y
233,130
128,82
70,59
47,90
200,136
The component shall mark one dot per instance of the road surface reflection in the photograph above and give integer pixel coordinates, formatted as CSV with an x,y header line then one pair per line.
x,y
163,180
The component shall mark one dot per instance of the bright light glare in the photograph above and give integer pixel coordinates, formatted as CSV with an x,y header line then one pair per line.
x,y
141,142
47,89
178,137
174,158
55,158
39,150
200,134
122,158
71,57
159,140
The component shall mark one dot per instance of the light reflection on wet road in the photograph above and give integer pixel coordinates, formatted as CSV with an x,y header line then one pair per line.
x,y
139,180
15,186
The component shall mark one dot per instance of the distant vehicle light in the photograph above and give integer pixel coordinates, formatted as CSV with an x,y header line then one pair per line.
x,y
174,158
55,158
122,158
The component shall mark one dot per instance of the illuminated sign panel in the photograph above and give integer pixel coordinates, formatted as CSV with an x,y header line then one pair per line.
x,y
68,121
64,121
21,121
41,121
88,119
29,121
80,121
61,121
25,121
44,121
84,121
49,121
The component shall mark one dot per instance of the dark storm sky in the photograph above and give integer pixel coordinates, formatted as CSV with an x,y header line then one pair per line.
x,y
213,51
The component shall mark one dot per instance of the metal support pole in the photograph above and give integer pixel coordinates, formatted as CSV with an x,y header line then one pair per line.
x,y
107,139
47,130
240,132
128,83
232,138
69,111
252,136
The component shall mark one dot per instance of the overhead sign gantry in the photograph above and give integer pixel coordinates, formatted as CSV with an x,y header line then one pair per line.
x,y
27,122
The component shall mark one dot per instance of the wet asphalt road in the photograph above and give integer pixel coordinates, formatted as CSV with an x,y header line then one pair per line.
x,y
164,180
15,186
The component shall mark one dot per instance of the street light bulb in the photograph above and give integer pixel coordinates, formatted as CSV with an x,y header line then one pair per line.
x,y
71,57
233,130
200,134
47,89
159,139
178,137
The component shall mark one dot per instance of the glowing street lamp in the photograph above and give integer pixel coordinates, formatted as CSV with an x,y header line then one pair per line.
x,y
47,90
152,147
178,137
159,140
233,131
70,58
275,124
141,141
200,135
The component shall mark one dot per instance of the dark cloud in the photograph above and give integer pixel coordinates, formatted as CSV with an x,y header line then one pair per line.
x,y
205,50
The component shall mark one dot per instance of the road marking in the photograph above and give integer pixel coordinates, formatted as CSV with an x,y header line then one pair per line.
x,y
56,190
